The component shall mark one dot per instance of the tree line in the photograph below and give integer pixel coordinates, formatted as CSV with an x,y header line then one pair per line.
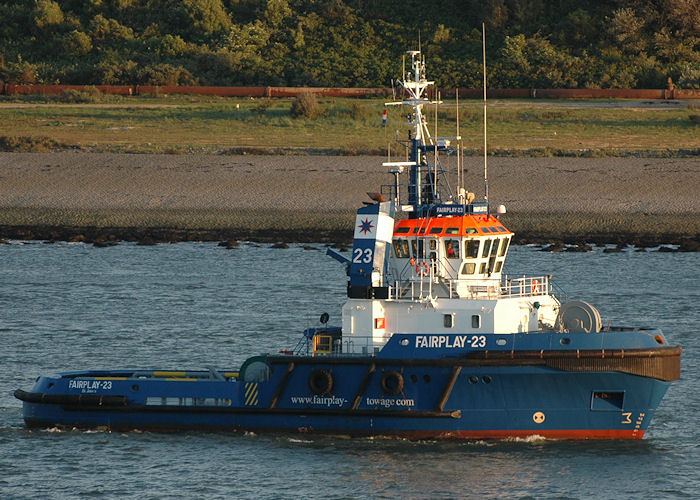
x,y
354,43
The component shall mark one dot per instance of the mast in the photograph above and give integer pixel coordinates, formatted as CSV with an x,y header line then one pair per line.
x,y
486,169
416,85
429,190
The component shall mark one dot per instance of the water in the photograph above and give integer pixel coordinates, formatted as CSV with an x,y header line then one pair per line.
x,y
73,306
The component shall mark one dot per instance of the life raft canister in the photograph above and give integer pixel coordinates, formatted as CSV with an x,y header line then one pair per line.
x,y
392,383
321,382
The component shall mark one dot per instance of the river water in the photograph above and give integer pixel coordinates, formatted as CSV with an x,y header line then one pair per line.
x,y
73,306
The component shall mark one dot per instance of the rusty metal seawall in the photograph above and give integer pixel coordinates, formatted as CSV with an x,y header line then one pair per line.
x,y
126,90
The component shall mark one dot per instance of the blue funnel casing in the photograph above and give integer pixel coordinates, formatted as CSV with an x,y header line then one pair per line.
x,y
374,228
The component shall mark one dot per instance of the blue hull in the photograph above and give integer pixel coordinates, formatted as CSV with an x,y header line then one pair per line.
x,y
570,393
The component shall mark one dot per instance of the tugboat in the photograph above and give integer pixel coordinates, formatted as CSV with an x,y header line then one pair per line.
x,y
435,341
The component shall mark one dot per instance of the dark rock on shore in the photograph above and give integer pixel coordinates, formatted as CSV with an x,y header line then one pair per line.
x,y
665,249
340,239
229,244
619,248
689,246
554,247
580,248
147,242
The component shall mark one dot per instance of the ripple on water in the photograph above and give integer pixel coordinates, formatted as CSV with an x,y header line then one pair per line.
x,y
70,306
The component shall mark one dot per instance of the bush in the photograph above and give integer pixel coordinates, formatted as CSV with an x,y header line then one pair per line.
x,y
306,106
262,107
360,111
18,72
87,95
23,144
165,74
77,44
690,77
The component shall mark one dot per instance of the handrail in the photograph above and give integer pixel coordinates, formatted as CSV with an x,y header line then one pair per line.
x,y
416,287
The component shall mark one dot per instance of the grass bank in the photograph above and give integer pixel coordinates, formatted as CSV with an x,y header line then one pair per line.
x,y
191,124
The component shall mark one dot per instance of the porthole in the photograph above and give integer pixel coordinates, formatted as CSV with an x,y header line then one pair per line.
x,y
404,342
476,321
414,378
135,387
426,378
474,379
448,320
565,341
500,341
486,379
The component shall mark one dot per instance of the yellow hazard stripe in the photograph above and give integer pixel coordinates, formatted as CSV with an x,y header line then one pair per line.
x,y
251,394
169,374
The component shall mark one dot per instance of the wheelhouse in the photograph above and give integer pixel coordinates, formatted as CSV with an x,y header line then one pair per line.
x,y
469,247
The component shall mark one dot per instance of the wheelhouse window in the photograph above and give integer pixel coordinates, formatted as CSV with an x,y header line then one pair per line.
x,y
504,247
487,248
418,248
494,247
471,249
401,249
468,268
432,249
452,249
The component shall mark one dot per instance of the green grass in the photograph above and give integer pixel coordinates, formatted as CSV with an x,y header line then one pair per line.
x,y
181,124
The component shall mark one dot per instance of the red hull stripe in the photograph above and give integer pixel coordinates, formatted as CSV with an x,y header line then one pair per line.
x,y
548,434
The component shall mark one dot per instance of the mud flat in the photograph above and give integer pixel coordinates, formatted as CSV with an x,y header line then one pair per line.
x,y
144,197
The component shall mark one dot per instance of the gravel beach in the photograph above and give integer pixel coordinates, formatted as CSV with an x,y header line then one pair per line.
x,y
273,198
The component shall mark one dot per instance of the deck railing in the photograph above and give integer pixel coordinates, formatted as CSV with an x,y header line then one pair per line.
x,y
352,345
416,288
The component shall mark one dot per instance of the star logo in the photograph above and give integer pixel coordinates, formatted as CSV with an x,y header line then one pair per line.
x,y
366,226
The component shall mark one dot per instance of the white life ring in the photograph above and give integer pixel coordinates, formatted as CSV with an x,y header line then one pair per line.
x,y
422,269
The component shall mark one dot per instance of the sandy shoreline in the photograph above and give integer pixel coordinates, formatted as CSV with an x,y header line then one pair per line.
x,y
278,197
